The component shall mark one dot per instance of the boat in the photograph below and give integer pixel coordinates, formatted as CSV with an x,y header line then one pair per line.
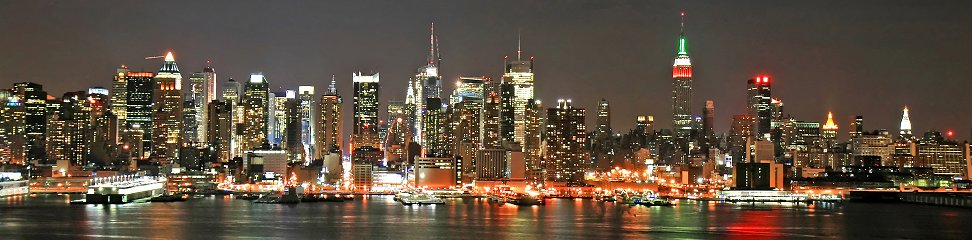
x,y
656,201
288,197
398,197
169,198
523,199
421,199
248,196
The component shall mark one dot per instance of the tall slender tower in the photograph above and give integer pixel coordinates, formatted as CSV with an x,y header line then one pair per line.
x,y
682,88
256,112
167,112
328,135
427,84
518,82
119,95
759,103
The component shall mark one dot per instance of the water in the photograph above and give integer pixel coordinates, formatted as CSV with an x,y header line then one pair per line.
x,y
378,217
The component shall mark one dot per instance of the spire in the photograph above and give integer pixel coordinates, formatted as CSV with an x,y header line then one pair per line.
x,y
433,46
332,88
905,123
409,94
830,125
519,50
681,37
169,65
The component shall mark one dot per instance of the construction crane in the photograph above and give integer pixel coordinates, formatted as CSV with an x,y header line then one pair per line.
x,y
153,57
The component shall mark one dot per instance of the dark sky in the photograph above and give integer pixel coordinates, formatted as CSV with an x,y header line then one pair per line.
x,y
865,58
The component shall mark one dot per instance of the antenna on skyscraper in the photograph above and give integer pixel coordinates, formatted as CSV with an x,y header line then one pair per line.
x,y
518,49
682,14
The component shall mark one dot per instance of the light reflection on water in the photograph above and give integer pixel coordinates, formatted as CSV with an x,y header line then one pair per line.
x,y
378,217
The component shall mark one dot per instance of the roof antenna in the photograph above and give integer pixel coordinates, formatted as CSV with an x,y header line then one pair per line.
x,y
518,49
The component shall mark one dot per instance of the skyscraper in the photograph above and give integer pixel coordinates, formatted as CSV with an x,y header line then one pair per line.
x,y
905,127
308,119
220,129
167,112
829,132
427,84
256,101
365,131
12,136
759,105
682,88
329,137
202,91
603,131
277,120
119,95
139,109
708,119
34,100
490,115
519,82
231,96
566,158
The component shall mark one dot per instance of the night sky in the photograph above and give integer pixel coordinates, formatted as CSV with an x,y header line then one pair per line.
x,y
867,58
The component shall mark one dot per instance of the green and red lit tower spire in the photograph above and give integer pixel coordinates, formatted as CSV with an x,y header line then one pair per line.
x,y
682,88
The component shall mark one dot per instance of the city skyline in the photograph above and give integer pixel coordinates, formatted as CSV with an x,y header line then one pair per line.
x,y
809,94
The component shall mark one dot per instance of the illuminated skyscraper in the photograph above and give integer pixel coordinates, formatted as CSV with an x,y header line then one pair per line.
x,y
682,88
759,105
277,121
34,99
427,84
231,96
365,130
139,110
308,119
905,128
12,136
567,157
519,81
432,126
603,131
256,102
202,91
490,116
533,140
167,112
119,95
829,132
329,137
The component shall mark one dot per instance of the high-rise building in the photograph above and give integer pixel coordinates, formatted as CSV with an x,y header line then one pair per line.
x,y
256,102
167,114
759,105
603,131
13,138
682,88
905,127
308,119
202,91
231,96
293,133
468,88
740,132
828,132
220,129
533,141
329,137
708,119
138,113
517,86
432,126
365,130
427,84
119,95
566,154
857,127
277,120
944,156
34,99
490,120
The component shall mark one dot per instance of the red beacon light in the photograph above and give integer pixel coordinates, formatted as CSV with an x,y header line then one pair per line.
x,y
950,133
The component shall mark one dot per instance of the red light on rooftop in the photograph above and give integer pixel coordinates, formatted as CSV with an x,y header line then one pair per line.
x,y
950,133
682,14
